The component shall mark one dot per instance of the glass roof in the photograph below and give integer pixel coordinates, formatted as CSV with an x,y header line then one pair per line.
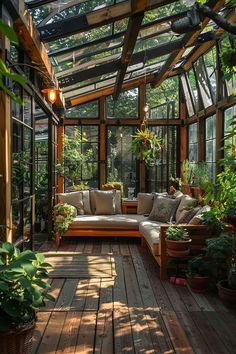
x,y
91,43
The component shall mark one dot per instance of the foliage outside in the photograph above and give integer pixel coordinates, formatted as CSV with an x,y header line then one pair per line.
x,y
22,285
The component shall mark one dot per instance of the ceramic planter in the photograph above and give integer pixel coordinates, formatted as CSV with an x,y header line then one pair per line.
x,y
178,248
198,284
226,295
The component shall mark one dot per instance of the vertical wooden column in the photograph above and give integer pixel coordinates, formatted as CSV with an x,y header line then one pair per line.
x,y
142,169
60,152
102,145
5,159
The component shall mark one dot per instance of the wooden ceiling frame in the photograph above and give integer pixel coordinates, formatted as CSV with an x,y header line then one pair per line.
x,y
188,40
94,19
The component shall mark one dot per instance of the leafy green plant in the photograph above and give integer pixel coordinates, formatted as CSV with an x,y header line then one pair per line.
x,y
63,217
186,172
197,266
213,219
176,233
146,145
4,71
200,174
22,285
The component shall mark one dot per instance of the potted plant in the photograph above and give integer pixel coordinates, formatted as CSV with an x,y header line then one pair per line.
x,y
22,289
63,217
200,178
147,146
227,287
197,273
186,177
177,241
213,219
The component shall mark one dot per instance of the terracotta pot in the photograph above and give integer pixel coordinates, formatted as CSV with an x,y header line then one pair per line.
x,y
198,284
18,340
178,248
226,295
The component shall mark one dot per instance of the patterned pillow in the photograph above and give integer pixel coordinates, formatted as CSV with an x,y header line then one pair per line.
x,y
185,202
163,209
187,215
197,218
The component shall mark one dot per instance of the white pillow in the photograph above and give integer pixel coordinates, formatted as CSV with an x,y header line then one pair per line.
x,y
73,198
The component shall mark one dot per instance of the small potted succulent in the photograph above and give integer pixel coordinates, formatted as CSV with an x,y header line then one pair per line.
x,y
22,289
177,241
197,273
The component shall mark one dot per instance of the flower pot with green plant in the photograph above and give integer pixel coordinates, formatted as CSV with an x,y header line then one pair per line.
x,y
177,241
185,177
23,288
63,217
200,178
197,273
227,287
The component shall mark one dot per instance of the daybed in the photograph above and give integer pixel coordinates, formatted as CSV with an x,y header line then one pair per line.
x,y
99,214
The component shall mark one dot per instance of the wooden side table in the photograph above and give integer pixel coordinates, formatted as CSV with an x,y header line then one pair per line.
x,y
129,206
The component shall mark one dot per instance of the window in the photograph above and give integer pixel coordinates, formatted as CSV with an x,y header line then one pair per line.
x,y
121,163
192,143
87,110
194,89
81,156
229,118
210,64
126,106
203,82
187,94
210,144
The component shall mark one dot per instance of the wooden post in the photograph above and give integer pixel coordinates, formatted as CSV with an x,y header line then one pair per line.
x,y
102,151
60,152
142,169
5,160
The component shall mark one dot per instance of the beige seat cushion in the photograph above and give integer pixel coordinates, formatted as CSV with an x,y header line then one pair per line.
x,y
145,202
73,198
119,221
151,232
117,201
163,208
185,201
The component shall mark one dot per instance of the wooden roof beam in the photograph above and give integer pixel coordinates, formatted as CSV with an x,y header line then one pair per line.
x,y
93,19
188,40
129,44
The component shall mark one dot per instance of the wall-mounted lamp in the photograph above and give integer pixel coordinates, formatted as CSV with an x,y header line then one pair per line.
x,y
52,92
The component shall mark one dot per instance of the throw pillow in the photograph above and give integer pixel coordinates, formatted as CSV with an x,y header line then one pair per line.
x,y
118,201
197,219
185,202
73,198
105,202
187,214
145,203
163,209
86,200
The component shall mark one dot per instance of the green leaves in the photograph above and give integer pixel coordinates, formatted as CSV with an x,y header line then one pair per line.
x,y
8,32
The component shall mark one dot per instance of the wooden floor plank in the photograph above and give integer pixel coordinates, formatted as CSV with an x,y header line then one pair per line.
x,y
106,247
104,333
65,298
106,295
187,298
68,339
56,286
86,336
92,296
41,324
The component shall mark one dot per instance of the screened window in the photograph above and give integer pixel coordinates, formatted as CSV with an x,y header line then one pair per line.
x,y
210,144
81,156
126,106
121,163
163,101
158,176
192,143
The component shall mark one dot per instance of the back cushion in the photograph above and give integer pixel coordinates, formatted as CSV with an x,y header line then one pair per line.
x,y
92,201
117,201
86,200
145,203
197,219
105,202
185,201
163,209
73,198
187,215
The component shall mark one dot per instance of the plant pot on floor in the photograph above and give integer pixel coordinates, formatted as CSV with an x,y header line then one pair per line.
x,y
226,294
17,340
198,284
178,248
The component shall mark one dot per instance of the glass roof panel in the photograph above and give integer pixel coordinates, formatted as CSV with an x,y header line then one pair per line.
x,y
80,38
64,9
166,10
154,41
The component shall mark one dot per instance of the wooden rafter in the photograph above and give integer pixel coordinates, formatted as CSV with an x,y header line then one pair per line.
x,y
188,40
93,19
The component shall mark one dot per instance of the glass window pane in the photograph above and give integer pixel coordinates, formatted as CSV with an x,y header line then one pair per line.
x,y
87,110
210,63
203,83
187,95
126,106
210,144
194,90
192,143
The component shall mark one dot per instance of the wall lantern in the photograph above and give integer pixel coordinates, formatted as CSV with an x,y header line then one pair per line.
x,y
51,94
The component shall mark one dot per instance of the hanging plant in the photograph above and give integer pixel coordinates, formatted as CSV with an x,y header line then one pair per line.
x,y
147,146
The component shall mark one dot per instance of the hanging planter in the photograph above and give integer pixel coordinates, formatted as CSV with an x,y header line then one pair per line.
x,y
147,146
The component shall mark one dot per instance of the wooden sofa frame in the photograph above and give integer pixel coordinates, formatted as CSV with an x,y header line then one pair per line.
x,y
198,233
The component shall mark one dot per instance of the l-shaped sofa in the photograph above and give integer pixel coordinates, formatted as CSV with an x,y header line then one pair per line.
x,y
100,214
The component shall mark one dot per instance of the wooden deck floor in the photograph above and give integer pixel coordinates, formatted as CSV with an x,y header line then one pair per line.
x,y
133,313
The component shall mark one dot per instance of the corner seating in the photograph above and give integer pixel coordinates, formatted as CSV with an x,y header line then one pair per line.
x,y
152,233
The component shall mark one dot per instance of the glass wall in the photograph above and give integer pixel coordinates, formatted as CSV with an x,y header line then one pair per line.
x,y
210,145
192,143
158,176
121,163
81,156
87,110
126,106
